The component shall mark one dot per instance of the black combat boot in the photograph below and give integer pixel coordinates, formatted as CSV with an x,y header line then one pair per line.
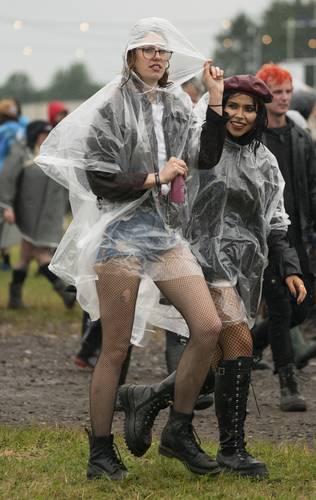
x,y
142,403
232,381
291,399
175,345
179,440
104,460
66,292
91,340
15,289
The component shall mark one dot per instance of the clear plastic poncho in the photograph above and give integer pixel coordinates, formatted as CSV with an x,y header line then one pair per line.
x,y
239,202
114,133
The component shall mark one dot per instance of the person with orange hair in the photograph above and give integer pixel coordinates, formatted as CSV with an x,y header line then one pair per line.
x,y
295,153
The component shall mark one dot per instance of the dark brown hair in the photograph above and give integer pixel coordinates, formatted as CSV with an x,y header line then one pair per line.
x,y
131,59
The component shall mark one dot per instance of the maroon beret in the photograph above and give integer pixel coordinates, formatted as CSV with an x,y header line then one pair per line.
x,y
248,84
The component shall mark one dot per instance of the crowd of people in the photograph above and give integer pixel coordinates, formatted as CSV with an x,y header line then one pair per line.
x,y
193,208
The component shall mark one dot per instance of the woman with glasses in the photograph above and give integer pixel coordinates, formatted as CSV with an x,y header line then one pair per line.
x,y
119,155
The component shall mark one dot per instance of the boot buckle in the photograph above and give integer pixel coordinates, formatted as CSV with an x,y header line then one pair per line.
x,y
220,370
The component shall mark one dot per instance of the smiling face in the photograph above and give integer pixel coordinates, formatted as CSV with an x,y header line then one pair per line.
x,y
242,111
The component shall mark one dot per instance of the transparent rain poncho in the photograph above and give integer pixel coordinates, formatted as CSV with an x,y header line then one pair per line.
x,y
114,133
239,202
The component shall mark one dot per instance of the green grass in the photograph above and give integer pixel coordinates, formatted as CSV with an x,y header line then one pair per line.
x,y
45,309
45,463
50,463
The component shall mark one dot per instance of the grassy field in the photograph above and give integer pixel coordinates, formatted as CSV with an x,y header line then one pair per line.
x,y
45,309
45,463
50,463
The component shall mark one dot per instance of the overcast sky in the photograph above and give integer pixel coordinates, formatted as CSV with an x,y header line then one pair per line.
x,y
50,37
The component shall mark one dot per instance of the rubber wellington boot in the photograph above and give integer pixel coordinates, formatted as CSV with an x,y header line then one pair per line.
x,y
15,289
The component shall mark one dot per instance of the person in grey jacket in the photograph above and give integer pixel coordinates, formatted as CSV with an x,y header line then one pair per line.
x,y
37,204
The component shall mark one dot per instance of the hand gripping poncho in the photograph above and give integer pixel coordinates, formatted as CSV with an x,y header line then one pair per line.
x,y
113,132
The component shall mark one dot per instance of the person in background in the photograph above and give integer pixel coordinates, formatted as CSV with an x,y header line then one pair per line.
x,y
194,89
37,205
56,111
9,133
9,127
302,112
295,153
304,102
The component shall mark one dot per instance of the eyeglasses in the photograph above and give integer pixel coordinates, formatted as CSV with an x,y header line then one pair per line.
x,y
150,53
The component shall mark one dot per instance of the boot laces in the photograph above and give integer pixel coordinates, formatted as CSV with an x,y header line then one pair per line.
x,y
114,457
242,452
151,414
192,439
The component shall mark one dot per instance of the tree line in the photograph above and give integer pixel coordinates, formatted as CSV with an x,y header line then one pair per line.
x,y
286,30
72,83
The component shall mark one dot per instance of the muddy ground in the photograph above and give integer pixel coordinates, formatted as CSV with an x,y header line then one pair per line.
x,y
41,385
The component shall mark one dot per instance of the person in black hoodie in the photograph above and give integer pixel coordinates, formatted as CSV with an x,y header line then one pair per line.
x,y
295,153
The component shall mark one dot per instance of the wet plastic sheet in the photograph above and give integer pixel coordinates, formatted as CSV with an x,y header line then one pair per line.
x,y
113,132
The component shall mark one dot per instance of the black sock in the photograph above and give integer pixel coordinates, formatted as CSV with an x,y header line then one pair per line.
x,y
47,273
19,275
6,259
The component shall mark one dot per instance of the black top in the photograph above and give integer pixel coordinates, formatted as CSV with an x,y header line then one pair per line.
x,y
278,140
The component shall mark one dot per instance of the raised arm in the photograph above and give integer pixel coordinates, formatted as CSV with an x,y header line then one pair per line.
x,y
214,127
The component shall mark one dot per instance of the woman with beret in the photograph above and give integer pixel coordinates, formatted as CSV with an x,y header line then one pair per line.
x,y
238,217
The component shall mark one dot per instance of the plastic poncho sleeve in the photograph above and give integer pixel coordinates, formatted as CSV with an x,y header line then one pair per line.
x,y
103,147
116,187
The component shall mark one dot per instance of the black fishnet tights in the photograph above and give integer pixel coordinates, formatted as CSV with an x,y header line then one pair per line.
x,y
190,295
117,294
234,341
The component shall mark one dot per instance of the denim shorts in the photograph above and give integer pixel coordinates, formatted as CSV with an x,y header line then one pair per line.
x,y
143,235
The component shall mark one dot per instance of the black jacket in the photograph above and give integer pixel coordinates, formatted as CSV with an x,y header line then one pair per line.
x,y
303,176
